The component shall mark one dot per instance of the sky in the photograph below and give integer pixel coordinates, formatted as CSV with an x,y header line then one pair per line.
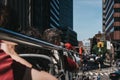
x,y
87,18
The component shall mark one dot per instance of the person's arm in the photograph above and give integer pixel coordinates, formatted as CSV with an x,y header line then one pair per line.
x,y
9,48
41,75
21,60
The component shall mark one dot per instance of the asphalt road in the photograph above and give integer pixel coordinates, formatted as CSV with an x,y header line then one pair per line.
x,y
93,74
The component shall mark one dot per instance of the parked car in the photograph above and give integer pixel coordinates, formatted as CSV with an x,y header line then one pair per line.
x,y
115,75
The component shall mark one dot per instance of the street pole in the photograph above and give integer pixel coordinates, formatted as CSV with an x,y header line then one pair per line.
x,y
99,67
98,77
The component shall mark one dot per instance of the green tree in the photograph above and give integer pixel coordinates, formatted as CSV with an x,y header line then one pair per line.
x,y
98,51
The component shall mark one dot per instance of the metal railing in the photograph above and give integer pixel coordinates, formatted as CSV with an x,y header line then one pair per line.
x,y
20,38
29,41
23,39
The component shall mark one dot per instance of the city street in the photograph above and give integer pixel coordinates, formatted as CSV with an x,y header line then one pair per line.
x,y
59,40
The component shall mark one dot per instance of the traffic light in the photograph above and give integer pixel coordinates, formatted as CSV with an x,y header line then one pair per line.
x,y
100,44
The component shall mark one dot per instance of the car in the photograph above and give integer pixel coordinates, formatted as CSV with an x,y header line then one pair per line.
x,y
115,75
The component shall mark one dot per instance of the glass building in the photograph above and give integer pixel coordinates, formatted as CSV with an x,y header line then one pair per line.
x,y
66,21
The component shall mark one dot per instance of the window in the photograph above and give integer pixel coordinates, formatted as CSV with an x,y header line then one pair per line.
x,y
117,9
117,28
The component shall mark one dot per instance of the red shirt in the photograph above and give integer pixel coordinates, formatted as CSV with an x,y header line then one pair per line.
x,y
6,72
12,70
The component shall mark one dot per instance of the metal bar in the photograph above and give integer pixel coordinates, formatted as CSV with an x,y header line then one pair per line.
x,y
23,39
38,56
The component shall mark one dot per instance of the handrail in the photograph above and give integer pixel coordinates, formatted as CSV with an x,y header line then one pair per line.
x,y
30,55
19,38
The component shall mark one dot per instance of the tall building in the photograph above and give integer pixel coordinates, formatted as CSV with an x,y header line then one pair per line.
x,y
66,21
111,22
55,14
22,8
45,14
66,13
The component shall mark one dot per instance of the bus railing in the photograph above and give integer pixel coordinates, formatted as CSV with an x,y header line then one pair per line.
x,y
23,39
20,38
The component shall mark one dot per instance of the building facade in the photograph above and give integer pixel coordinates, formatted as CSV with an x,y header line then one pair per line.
x,y
111,22
66,13
44,14
22,9
66,22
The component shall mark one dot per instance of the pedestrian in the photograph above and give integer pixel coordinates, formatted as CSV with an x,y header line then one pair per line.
x,y
31,31
98,77
12,66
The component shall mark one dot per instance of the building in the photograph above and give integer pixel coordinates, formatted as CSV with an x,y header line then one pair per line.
x,y
69,36
22,8
66,22
87,46
66,13
111,22
45,14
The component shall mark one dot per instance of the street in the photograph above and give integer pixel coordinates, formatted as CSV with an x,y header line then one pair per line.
x,y
93,74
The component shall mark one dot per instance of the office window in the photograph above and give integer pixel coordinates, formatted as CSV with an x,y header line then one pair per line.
x,y
117,9
117,1
117,28
117,18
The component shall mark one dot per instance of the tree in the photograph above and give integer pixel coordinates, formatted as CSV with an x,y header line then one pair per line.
x,y
99,50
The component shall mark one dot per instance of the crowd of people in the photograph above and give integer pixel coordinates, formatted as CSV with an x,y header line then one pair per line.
x,y
14,67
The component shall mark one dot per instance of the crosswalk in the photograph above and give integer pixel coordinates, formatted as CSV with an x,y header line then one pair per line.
x,y
103,73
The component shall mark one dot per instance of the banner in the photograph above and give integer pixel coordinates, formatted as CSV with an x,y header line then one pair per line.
x,y
108,45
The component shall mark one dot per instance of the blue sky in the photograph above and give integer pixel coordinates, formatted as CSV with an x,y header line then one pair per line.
x,y
87,18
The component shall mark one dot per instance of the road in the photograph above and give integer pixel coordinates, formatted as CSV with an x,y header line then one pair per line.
x,y
103,73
